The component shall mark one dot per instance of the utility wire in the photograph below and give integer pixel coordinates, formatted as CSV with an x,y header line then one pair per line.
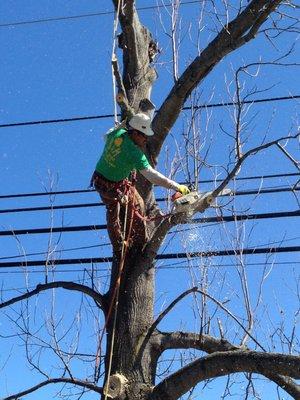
x,y
100,13
178,265
159,268
44,253
78,191
99,204
103,116
204,254
81,228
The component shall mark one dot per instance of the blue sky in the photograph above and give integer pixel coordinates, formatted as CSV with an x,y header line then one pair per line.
x,y
61,69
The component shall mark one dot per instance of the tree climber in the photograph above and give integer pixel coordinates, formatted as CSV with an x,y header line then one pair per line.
x,y
122,156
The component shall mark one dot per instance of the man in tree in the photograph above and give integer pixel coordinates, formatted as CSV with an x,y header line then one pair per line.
x,y
114,179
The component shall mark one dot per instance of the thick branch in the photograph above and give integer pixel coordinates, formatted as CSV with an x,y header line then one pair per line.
x,y
224,363
160,233
239,31
286,384
190,340
138,51
76,382
210,344
98,298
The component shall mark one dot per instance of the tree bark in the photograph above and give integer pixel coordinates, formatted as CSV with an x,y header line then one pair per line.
x,y
225,363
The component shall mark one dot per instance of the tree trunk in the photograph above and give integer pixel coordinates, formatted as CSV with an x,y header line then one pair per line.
x,y
131,357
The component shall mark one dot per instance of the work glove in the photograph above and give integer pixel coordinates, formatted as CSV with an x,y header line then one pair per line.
x,y
183,189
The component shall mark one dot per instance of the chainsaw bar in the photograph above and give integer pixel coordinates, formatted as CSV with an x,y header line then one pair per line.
x,y
196,202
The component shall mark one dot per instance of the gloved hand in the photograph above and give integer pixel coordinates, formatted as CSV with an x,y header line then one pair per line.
x,y
183,189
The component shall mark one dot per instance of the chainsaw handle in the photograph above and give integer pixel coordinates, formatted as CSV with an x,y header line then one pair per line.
x,y
176,196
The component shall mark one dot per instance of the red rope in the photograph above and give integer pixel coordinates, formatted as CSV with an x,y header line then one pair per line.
x,y
128,188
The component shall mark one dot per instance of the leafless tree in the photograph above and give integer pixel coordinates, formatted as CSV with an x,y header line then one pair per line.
x,y
135,343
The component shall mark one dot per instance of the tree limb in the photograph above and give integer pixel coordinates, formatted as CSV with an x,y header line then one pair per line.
x,y
286,384
152,328
159,235
76,382
285,152
137,45
240,30
210,344
169,308
224,363
191,340
97,297
250,152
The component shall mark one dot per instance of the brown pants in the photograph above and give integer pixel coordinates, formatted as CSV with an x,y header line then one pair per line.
x,y
124,209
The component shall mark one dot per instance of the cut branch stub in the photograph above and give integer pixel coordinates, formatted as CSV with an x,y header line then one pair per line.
x,y
115,386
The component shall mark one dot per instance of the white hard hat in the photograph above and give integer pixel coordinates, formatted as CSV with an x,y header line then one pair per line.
x,y
141,122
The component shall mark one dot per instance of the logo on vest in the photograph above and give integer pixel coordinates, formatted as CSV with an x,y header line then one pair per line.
x,y
118,142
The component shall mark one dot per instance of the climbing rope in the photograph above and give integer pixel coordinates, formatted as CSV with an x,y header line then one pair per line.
x,y
128,194
113,58
115,298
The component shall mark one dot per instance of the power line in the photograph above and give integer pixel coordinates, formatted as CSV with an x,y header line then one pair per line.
x,y
100,204
81,228
100,13
162,267
169,256
44,253
179,265
78,191
203,106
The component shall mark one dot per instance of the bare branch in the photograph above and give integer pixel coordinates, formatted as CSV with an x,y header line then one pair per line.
x,y
160,317
210,344
76,382
286,383
224,363
240,30
169,308
250,152
97,297
191,340
285,152
121,97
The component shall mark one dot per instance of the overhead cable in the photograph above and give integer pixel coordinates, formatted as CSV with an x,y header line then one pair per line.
x,y
44,253
204,254
103,116
78,191
59,251
100,204
178,265
98,14
181,265
225,218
